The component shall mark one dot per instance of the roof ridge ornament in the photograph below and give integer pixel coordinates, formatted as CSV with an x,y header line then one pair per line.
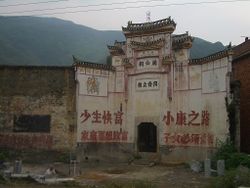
x,y
148,19
164,25
129,22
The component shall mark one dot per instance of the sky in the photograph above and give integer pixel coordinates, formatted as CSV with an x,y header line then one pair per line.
x,y
213,20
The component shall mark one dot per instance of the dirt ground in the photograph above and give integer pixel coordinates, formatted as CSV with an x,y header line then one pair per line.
x,y
160,176
100,175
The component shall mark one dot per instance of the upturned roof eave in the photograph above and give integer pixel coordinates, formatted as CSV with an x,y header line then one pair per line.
x,y
81,63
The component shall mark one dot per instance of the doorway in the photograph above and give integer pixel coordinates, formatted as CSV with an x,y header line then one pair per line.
x,y
147,137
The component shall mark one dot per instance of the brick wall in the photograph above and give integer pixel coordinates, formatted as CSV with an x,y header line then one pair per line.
x,y
34,93
241,72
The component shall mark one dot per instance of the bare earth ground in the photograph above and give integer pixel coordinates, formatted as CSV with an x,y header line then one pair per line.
x,y
99,175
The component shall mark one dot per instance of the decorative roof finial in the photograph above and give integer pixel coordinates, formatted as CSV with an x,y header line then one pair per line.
x,y
129,23
148,16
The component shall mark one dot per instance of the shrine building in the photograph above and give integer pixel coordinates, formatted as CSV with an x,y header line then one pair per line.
x,y
153,100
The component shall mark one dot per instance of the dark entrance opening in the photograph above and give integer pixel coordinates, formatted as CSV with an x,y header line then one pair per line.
x,y
147,137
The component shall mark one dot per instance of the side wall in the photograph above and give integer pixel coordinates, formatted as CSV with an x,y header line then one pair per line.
x,y
241,70
37,107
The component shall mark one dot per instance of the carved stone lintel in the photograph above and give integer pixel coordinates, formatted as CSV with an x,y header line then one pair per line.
x,y
126,63
167,60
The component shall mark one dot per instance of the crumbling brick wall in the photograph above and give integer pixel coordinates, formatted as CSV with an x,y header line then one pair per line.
x,y
37,107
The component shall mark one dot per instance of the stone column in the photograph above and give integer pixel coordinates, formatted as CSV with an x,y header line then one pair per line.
x,y
207,167
220,167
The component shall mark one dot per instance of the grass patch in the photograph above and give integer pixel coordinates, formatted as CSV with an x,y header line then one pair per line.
x,y
71,184
2,179
26,180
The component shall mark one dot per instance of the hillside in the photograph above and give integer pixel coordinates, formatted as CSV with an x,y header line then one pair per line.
x,y
202,48
51,41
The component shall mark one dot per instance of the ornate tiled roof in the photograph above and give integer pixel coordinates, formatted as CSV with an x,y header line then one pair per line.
x,y
78,62
117,48
212,57
119,43
166,24
148,44
182,41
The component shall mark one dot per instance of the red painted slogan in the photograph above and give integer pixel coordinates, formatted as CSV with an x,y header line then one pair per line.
x,y
183,119
104,117
189,119
36,141
187,139
107,136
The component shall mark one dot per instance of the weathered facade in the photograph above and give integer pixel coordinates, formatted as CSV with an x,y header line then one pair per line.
x,y
153,100
241,69
37,107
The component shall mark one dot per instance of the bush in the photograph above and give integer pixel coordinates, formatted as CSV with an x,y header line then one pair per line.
x,y
232,158
2,180
232,179
3,156
64,158
225,150
237,159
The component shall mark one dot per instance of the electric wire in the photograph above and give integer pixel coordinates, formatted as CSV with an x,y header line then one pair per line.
x,y
143,6
83,6
130,7
34,3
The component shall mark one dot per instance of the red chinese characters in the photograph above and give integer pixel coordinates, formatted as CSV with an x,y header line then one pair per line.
x,y
27,141
105,136
107,117
102,117
168,118
96,117
193,118
205,118
85,116
181,118
189,139
93,135
118,117
85,135
187,119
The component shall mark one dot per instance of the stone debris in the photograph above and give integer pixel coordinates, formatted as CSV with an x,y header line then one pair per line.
x,y
50,176
50,172
58,180
195,166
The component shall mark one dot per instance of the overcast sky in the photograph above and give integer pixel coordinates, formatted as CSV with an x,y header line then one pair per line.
x,y
222,21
